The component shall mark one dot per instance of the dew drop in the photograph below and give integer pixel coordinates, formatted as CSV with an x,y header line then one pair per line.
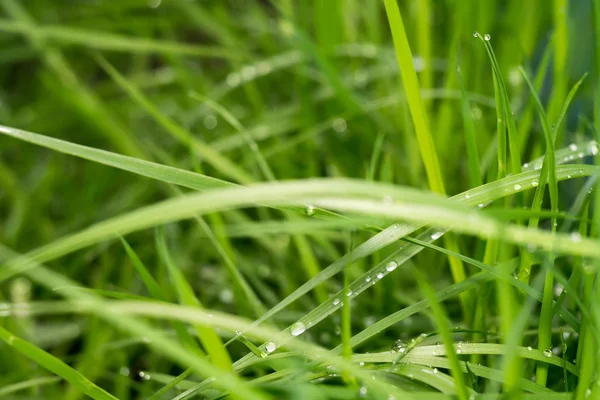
x,y
362,363
368,279
548,353
210,122
487,37
392,265
399,346
362,392
435,370
534,183
248,72
339,125
226,296
580,155
526,165
350,293
573,147
517,186
529,348
575,237
480,205
593,148
309,210
467,195
297,329
475,34
263,68
144,376
380,275
336,302
270,347
436,235
233,79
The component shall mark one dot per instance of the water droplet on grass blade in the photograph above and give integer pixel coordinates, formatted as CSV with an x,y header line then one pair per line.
x,y
270,347
487,37
248,72
297,329
144,376
436,235
339,125
309,210
399,346
233,79
548,353
534,183
210,122
336,302
392,265
362,392
517,186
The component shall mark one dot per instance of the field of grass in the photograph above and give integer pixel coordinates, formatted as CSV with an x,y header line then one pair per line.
x,y
299,199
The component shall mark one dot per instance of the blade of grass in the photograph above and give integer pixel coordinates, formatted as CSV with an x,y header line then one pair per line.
x,y
443,324
54,365
210,340
67,36
421,124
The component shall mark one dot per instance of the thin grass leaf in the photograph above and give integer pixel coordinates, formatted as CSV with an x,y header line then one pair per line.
x,y
210,340
54,365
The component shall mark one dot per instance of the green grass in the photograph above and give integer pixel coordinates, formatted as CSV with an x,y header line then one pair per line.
x,y
299,199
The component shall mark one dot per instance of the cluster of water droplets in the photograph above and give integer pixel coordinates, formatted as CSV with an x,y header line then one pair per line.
x,y
485,37
570,153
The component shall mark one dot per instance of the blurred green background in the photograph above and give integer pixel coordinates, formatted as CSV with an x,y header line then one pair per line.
x,y
314,83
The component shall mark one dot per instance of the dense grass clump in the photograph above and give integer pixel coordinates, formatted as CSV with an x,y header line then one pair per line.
x,y
299,199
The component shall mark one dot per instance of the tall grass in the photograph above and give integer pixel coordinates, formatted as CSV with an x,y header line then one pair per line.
x,y
312,199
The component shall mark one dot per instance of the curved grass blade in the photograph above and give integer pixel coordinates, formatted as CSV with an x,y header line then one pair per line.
x,y
55,366
209,338
66,36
